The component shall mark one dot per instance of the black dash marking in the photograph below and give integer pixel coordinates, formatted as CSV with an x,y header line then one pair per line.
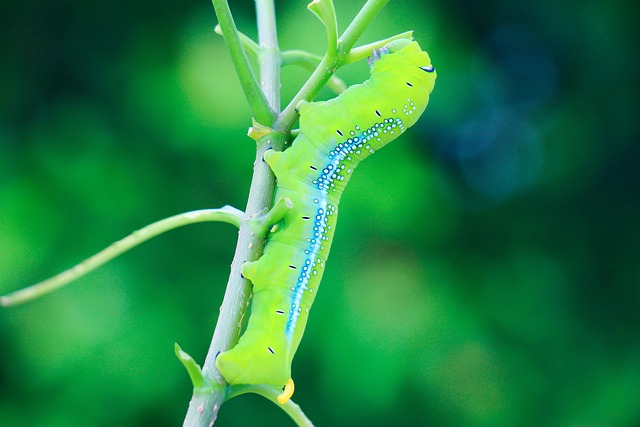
x,y
313,167
271,350
293,267
378,113
306,218
280,311
428,69
409,84
339,133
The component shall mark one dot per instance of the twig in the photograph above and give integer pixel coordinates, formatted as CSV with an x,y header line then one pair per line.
x,y
329,63
225,214
255,97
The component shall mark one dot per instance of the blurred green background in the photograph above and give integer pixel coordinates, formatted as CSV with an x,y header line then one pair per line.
x,y
485,269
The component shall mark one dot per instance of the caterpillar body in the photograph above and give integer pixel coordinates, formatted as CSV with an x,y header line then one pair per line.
x,y
334,137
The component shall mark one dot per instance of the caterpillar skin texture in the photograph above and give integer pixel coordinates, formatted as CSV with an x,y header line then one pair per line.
x,y
335,136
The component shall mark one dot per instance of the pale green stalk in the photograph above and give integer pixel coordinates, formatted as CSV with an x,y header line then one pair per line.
x,y
330,63
272,393
225,214
258,103
204,404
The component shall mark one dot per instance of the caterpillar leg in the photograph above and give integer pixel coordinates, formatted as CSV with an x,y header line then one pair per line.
x,y
286,394
248,269
274,160
302,106
271,157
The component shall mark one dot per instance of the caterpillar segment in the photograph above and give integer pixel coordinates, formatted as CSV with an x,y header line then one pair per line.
x,y
335,136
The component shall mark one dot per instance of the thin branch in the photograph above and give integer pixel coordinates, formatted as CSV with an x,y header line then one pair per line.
x,y
303,58
225,214
193,369
326,13
263,223
204,405
359,24
272,393
329,63
311,61
270,53
300,57
258,103
361,52
250,47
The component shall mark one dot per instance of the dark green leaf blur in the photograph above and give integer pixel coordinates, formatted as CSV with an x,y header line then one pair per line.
x,y
485,269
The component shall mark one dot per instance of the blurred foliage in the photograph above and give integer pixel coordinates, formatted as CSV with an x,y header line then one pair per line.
x,y
484,272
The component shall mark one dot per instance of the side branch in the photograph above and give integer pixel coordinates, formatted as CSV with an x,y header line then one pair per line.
x,y
272,394
225,214
359,24
330,63
204,406
270,57
258,104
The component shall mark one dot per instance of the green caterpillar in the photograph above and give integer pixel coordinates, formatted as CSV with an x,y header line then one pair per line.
x,y
334,137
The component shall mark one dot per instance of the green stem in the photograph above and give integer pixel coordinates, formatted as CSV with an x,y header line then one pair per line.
x,y
272,393
300,57
325,11
270,58
361,52
311,61
329,63
224,214
193,369
250,47
258,103
203,407
359,24
303,58
263,223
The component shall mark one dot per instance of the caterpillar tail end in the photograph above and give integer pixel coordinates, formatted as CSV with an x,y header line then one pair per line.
x,y
286,394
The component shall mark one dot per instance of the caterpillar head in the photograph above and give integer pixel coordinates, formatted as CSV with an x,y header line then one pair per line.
x,y
403,72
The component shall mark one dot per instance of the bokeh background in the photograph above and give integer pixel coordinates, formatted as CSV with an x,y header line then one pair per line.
x,y
485,270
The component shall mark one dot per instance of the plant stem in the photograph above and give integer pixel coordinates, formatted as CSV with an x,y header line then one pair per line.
x,y
270,58
311,61
224,214
204,406
271,393
329,63
359,24
255,97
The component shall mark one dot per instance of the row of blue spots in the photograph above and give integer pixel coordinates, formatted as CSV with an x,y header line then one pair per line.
x,y
335,168
311,263
333,171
